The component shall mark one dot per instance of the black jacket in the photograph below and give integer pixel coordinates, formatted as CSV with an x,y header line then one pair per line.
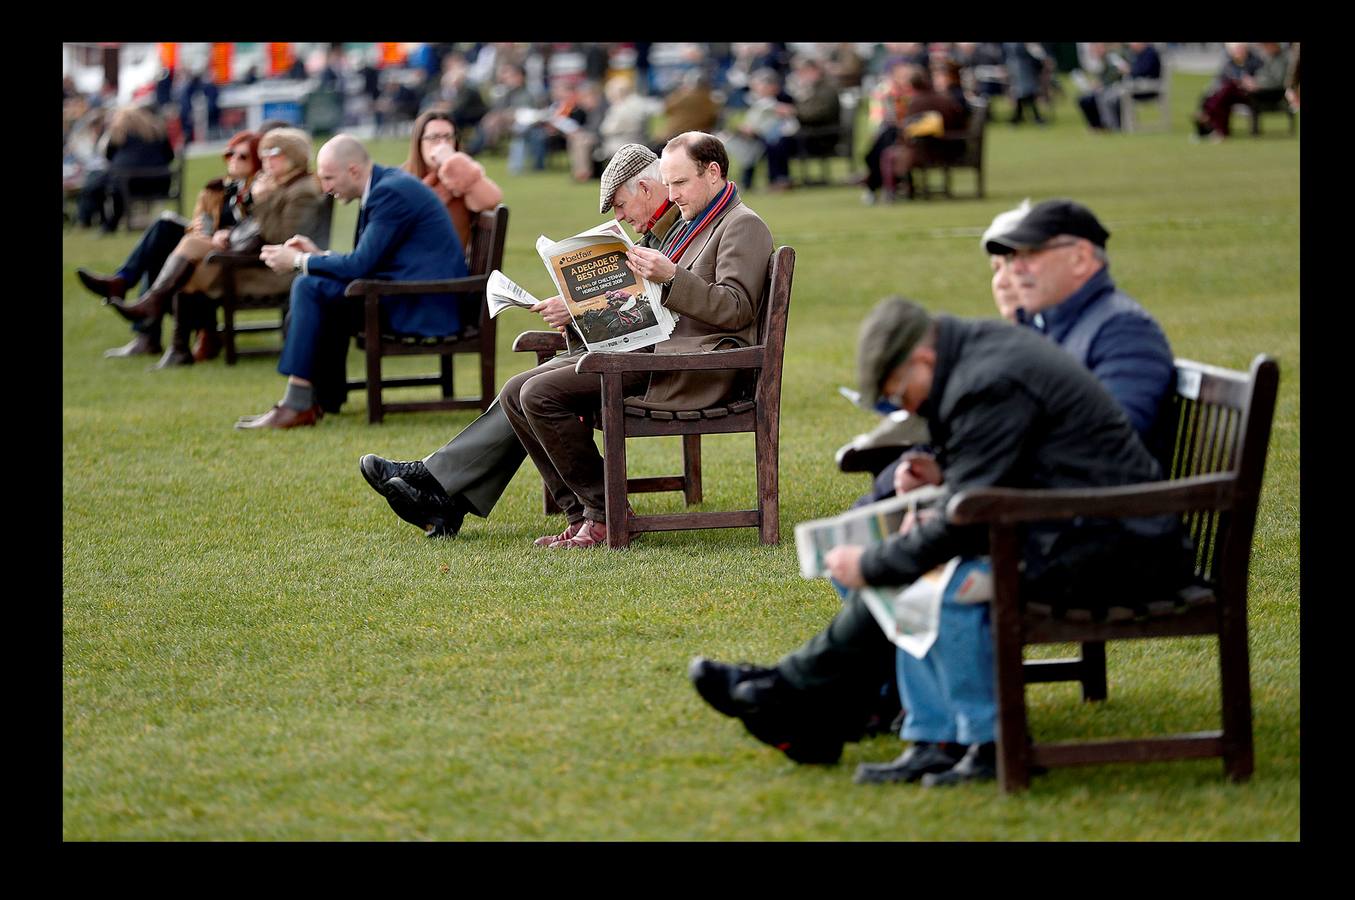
x,y
1008,408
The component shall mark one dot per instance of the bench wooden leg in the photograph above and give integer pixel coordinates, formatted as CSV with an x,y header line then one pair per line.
x,y
1094,670
614,462
691,468
1013,759
767,447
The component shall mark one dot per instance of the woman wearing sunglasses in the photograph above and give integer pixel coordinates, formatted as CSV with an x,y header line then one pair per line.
x,y
285,201
222,204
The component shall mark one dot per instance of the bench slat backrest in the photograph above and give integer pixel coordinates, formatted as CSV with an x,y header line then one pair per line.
x,y
1221,423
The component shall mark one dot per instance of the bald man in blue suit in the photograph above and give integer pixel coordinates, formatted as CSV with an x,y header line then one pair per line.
x,y
403,234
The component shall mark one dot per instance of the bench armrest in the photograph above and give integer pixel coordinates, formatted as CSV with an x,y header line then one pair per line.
x,y
539,342
615,363
465,285
230,260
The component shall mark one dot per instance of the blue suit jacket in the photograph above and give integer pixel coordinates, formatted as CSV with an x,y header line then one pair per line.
x,y
404,234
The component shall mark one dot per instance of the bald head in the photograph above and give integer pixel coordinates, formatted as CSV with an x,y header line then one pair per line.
x,y
346,150
343,167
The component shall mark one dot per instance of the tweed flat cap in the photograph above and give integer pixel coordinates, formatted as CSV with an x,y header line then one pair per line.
x,y
628,162
888,335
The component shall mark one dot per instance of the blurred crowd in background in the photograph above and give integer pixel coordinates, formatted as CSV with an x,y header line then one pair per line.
x,y
570,105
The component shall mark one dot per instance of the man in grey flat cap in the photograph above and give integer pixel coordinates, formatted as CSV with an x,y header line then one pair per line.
x,y
1006,408
470,472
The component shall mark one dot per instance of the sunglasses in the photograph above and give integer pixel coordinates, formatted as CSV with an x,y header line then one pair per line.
x,y
239,154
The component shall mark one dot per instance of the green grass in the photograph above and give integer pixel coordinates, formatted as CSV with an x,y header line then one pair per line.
x,y
256,648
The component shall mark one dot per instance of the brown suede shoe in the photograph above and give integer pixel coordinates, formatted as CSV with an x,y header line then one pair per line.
x,y
547,540
141,345
592,534
207,346
281,417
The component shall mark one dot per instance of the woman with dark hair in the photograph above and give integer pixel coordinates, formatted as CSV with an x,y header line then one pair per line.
x,y
436,159
221,205
286,202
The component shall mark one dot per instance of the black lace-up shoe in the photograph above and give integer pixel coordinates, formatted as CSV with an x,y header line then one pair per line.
x,y
922,758
378,471
979,764
436,513
715,681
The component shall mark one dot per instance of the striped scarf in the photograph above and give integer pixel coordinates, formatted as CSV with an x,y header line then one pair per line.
x,y
675,243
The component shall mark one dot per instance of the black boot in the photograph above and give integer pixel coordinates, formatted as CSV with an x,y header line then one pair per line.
x,y
173,275
178,353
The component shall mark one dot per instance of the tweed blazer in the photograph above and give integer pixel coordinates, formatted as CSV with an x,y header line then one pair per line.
x,y
289,209
717,292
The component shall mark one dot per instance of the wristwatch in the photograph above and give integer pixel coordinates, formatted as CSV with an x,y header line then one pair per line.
x,y
297,261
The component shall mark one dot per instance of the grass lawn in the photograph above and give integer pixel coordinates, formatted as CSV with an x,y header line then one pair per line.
x,y
255,647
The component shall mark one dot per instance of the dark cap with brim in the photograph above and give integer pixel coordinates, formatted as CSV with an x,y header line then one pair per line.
x,y
888,335
1047,220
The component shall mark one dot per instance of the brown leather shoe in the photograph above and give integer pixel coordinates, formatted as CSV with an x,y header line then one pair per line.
x,y
141,345
282,417
207,346
592,534
110,286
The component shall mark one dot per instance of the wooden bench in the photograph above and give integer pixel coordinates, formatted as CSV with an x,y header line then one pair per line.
x,y
1222,421
971,158
234,301
843,135
759,413
484,254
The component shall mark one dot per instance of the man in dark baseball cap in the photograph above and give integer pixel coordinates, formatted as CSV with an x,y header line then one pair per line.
x,y
1057,257
1046,221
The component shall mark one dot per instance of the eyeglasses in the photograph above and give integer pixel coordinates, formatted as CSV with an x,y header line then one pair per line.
x,y
1026,255
239,154
445,137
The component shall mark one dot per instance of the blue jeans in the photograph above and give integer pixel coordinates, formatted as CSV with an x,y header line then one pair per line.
x,y
949,693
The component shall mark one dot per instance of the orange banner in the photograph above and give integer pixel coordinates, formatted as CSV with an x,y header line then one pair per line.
x,y
221,62
169,55
389,53
279,58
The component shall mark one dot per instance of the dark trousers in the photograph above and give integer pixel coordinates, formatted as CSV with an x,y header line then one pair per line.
x,y
551,408
320,321
479,462
887,137
145,261
1218,106
845,673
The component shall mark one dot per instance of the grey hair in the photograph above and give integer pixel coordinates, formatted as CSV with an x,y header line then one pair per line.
x,y
1004,222
649,173
1099,254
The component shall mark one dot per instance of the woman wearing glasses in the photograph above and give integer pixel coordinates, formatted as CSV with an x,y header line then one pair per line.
x,y
286,201
221,205
461,183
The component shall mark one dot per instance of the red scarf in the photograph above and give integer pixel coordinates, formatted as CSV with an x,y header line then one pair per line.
x,y
658,214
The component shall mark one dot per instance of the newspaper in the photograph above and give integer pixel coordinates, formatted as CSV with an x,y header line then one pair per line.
x,y
502,292
909,616
612,308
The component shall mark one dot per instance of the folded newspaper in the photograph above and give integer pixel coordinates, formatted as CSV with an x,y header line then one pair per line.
x,y
612,307
908,615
